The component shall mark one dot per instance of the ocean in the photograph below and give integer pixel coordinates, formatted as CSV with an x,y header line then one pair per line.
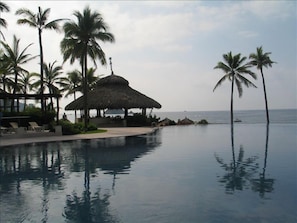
x,y
286,116
277,116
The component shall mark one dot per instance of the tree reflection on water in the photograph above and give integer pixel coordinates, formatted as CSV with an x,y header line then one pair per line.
x,y
262,184
35,173
240,172
112,156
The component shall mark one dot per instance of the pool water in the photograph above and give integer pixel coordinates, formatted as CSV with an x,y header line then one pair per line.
x,y
178,174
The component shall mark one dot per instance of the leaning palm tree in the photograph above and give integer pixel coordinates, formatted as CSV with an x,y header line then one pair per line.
x,y
15,60
260,60
234,69
3,8
80,41
39,21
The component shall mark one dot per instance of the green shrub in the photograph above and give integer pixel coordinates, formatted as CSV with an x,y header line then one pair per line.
x,y
37,116
91,127
69,128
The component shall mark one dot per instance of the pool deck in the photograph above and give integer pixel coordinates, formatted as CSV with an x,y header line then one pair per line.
x,y
111,132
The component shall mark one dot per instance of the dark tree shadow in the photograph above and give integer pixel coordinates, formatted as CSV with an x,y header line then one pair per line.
x,y
239,171
262,184
112,156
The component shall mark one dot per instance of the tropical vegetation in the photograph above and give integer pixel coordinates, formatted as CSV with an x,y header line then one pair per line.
x,y
261,60
38,20
14,59
3,8
17,83
80,41
80,44
234,68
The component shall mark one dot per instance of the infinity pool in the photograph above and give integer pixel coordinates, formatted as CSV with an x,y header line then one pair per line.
x,y
178,174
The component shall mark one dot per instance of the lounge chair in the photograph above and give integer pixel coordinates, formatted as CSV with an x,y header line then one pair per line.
x,y
35,127
3,130
14,125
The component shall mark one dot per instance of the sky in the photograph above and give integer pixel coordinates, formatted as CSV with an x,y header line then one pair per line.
x,y
168,49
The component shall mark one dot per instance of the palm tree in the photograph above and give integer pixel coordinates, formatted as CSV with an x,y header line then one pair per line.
x,y
25,84
91,80
5,79
52,78
3,8
39,21
80,41
260,60
71,85
234,68
15,60
74,83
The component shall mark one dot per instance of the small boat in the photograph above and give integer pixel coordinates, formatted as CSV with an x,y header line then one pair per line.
x,y
237,120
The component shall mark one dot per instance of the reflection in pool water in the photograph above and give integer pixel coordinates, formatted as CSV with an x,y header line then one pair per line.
x,y
178,174
241,172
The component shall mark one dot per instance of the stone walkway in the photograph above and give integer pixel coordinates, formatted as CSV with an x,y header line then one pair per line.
x,y
111,132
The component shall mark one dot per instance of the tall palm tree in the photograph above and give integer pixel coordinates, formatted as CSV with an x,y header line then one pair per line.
x,y
25,82
234,68
260,60
39,21
80,41
3,8
15,59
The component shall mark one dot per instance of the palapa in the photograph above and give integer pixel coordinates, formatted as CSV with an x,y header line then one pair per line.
x,y
113,92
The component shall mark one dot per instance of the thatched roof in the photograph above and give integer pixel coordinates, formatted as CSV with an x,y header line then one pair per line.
x,y
113,92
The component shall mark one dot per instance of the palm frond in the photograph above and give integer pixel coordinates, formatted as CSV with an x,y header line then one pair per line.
x,y
221,81
239,87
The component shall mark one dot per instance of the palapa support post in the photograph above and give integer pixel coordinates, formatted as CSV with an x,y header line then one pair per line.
x,y
126,112
143,112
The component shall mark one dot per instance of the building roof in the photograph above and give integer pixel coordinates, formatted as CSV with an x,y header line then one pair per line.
x,y
113,92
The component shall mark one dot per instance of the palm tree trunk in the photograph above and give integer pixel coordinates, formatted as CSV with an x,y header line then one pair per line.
x,y
51,98
231,108
25,101
265,96
4,89
14,90
85,93
58,110
75,115
41,66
